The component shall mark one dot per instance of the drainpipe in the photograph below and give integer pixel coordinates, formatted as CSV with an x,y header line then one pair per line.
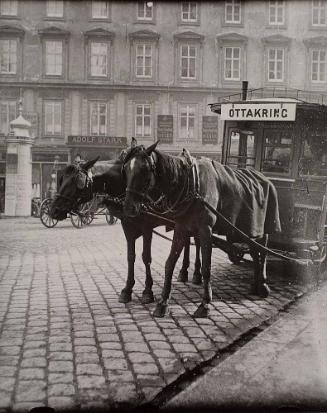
x,y
244,89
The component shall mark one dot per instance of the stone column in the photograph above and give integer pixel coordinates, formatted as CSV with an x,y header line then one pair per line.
x,y
19,168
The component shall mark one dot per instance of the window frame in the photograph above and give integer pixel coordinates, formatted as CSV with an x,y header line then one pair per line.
x,y
144,105
231,3
276,6
46,132
232,79
100,18
188,20
98,103
10,16
107,43
55,17
46,43
8,102
312,50
276,49
16,72
189,58
144,56
196,134
319,25
144,19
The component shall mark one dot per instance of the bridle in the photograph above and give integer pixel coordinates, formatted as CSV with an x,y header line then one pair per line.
x,y
143,193
87,184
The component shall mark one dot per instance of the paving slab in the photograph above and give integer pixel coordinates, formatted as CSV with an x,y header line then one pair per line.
x,y
66,341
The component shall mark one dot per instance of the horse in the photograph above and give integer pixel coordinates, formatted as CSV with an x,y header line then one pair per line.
x,y
78,185
245,197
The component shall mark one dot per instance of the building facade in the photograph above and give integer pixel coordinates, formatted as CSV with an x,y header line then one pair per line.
x,y
92,74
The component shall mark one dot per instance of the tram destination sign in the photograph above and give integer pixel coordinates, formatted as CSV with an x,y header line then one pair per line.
x,y
93,140
258,111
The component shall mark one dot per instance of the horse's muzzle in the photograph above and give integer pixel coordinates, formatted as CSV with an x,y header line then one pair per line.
x,y
131,210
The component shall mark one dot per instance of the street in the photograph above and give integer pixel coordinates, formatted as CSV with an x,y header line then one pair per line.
x,y
66,341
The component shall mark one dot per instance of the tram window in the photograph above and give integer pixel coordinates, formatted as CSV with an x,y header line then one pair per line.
x,y
313,160
277,152
241,152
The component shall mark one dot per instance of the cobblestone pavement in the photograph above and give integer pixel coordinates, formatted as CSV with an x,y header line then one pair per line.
x,y
66,341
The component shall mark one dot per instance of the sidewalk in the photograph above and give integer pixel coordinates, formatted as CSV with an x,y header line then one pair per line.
x,y
284,367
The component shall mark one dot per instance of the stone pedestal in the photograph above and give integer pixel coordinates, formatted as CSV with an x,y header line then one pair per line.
x,y
19,169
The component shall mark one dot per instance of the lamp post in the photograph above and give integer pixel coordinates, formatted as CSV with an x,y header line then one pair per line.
x,y
53,186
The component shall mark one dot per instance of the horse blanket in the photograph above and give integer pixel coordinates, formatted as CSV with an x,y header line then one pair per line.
x,y
248,200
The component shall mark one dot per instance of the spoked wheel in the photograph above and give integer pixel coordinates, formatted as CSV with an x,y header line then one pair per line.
x,y
77,220
88,218
110,218
45,217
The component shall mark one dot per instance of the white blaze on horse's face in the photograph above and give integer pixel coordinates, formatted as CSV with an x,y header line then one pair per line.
x,y
132,164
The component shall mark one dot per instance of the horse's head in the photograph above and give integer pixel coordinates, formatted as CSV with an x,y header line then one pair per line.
x,y
139,171
75,188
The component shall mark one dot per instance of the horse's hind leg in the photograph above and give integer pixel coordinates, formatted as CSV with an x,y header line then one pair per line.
x,y
126,293
177,246
183,274
206,250
260,286
147,295
197,277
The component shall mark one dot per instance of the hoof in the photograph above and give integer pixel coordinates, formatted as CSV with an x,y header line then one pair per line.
x,y
197,278
147,297
125,297
262,290
183,276
202,311
161,310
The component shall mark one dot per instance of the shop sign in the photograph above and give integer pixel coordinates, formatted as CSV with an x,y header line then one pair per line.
x,y
12,163
116,141
210,129
258,111
165,128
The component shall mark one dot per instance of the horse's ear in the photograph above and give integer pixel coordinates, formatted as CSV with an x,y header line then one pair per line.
x,y
87,165
151,148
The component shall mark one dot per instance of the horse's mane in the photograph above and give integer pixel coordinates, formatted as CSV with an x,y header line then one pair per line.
x,y
71,169
131,152
171,165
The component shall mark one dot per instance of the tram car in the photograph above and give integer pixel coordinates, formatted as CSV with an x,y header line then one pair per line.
x,y
283,134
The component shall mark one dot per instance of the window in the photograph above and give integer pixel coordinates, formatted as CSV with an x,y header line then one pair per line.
x,y
276,65
143,120
100,10
276,12
277,151
7,114
8,56
232,68
232,11
143,60
313,159
52,118
187,122
98,118
319,12
145,10
99,59
55,8
8,7
53,57
241,150
189,11
188,62
318,65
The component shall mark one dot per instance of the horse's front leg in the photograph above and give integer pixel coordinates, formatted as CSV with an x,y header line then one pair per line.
x,y
126,293
197,277
206,250
183,274
175,251
147,295
260,286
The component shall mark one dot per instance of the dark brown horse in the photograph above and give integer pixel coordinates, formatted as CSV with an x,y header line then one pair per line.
x,y
78,185
246,198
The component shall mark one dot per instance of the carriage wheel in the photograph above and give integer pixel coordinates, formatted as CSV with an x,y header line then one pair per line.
x,y
77,220
88,218
45,217
110,218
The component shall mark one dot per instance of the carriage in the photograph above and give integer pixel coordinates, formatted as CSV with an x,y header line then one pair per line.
x,y
283,134
84,215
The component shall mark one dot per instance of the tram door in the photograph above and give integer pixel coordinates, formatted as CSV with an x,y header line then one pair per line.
x,y
241,149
